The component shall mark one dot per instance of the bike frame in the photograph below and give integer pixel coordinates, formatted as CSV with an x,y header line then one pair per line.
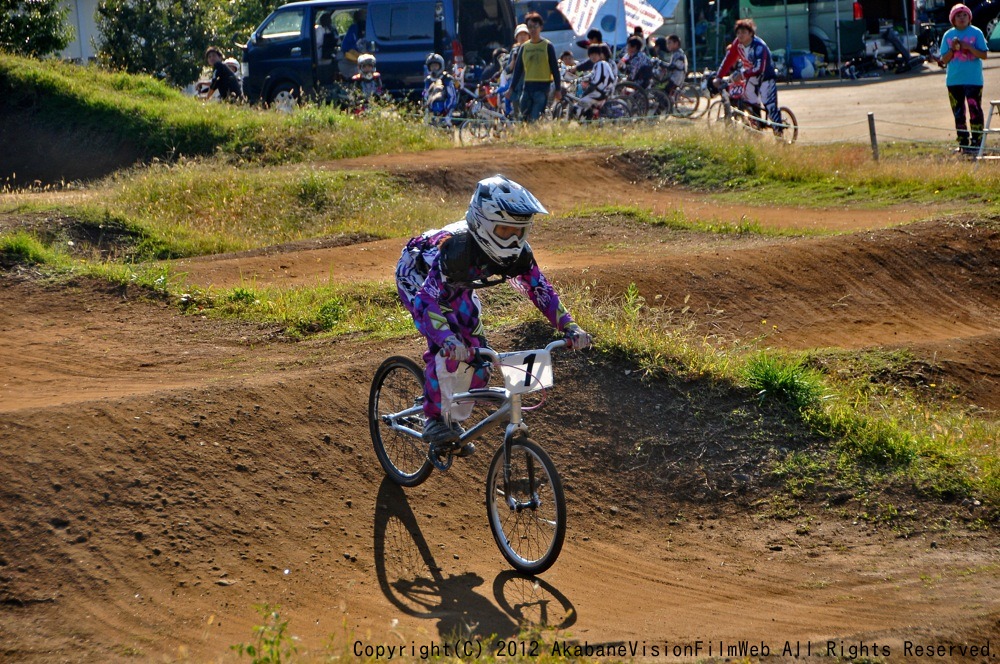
x,y
508,405
737,107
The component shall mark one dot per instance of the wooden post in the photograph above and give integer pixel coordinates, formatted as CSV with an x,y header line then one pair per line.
x,y
871,134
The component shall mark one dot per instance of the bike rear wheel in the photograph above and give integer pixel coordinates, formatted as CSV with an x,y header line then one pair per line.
x,y
634,96
659,103
399,385
615,109
717,114
529,528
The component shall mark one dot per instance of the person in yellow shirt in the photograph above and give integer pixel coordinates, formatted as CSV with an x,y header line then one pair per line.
x,y
538,67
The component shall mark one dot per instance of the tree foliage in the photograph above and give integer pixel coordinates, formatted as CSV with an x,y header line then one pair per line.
x,y
163,38
238,18
34,28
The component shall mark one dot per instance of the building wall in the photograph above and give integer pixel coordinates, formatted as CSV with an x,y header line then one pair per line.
x,y
81,17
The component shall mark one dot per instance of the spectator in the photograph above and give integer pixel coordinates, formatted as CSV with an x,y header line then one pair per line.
x,y
538,67
326,47
326,38
224,80
351,47
521,37
963,49
567,59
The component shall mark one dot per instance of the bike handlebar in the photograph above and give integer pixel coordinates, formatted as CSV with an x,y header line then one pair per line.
x,y
479,354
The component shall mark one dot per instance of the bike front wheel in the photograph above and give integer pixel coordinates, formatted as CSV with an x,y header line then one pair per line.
x,y
528,519
790,132
717,114
398,386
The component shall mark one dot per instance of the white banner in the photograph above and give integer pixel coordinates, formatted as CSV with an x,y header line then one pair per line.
x,y
580,13
586,14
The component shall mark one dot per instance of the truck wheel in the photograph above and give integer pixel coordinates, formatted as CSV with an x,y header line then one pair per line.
x,y
284,96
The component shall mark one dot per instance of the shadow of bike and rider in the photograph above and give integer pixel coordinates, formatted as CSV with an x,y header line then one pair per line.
x,y
413,581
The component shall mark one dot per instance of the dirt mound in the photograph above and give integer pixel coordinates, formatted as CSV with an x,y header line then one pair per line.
x,y
933,286
34,153
571,178
146,522
162,473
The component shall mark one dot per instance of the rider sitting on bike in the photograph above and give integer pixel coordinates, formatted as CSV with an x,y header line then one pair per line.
x,y
673,61
756,72
638,65
440,94
438,275
601,80
367,81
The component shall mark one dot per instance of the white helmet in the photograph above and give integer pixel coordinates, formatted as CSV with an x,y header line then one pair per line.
x,y
432,58
366,59
499,217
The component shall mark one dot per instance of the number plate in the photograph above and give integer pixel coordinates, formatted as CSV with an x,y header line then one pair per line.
x,y
526,371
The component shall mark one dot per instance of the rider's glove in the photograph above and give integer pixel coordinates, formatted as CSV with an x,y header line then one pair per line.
x,y
454,349
577,337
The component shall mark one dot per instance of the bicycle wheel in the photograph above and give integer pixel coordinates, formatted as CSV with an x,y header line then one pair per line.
x,y
717,114
530,527
473,130
399,385
560,109
686,101
615,109
634,95
791,131
659,103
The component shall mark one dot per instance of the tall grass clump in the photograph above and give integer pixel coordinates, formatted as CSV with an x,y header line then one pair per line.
x,y
783,379
22,248
209,207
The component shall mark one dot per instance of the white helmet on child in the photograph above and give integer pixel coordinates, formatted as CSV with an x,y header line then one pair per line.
x,y
499,217
366,66
434,58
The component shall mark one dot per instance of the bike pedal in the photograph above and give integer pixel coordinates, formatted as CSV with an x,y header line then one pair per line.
x,y
465,451
440,459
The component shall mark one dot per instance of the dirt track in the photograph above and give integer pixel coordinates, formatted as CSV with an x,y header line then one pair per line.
x,y
163,473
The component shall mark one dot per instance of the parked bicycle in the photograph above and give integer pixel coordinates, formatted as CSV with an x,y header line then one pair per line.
x,y
525,504
610,108
732,110
484,117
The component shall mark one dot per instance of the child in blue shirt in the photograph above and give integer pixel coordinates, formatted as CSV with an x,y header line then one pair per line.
x,y
963,49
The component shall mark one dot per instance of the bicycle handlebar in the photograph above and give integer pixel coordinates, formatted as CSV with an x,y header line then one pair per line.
x,y
479,354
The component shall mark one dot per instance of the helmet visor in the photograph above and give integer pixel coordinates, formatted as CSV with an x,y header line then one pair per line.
x,y
507,231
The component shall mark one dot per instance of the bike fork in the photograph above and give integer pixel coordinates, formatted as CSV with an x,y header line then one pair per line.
x,y
516,429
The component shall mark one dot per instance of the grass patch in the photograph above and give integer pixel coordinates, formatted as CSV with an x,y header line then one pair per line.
x,y
115,108
677,220
203,208
742,169
370,310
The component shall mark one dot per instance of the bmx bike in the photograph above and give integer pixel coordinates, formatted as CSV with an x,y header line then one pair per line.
x,y
731,110
525,504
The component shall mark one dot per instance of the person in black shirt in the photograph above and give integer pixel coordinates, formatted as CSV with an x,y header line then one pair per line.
x,y
224,80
